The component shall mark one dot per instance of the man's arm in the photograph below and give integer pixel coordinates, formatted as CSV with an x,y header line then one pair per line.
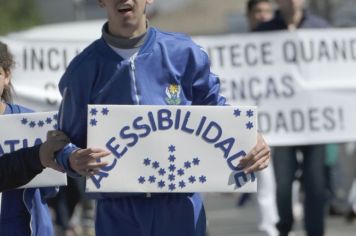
x,y
19,167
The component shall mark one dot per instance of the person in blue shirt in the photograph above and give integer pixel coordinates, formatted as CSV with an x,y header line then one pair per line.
x,y
24,211
134,63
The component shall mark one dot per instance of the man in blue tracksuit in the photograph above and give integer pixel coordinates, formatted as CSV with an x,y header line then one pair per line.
x,y
133,63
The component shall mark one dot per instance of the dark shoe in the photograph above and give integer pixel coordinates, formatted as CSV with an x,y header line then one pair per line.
x,y
350,216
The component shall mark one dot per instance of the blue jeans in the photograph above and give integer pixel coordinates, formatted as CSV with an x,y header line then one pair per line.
x,y
285,166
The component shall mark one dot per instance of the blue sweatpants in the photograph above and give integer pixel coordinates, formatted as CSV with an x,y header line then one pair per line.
x,y
159,215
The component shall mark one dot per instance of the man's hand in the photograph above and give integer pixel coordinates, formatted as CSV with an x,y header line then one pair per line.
x,y
56,140
258,158
87,162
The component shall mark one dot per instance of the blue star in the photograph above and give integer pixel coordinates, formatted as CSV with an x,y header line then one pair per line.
x,y
93,122
24,121
155,165
172,187
202,179
192,179
172,167
152,179
171,177
172,148
237,112
40,123
147,162
32,124
182,184
141,179
55,116
196,161
161,172
93,111
105,111
171,158
55,126
161,184
187,164
49,120
249,113
249,125
180,172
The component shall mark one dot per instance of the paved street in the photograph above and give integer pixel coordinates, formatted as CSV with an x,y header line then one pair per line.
x,y
224,219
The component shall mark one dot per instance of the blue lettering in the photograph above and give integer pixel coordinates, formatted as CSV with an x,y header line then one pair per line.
x,y
177,121
242,175
24,143
12,144
38,141
211,125
234,157
184,125
229,142
152,121
200,127
98,177
137,126
114,150
164,116
133,136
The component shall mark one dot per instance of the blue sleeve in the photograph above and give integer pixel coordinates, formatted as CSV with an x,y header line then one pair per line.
x,y
206,85
72,116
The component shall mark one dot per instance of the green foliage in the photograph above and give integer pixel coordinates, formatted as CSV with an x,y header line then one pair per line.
x,y
18,14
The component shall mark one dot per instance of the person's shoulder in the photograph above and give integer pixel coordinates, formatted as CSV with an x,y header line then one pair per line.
x,y
173,37
84,57
317,21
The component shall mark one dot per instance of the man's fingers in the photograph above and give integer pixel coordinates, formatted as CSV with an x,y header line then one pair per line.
x,y
85,161
261,164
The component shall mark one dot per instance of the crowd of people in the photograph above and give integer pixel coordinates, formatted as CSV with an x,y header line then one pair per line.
x,y
131,63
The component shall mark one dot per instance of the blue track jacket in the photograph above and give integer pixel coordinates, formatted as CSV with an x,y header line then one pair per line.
x,y
25,212
99,75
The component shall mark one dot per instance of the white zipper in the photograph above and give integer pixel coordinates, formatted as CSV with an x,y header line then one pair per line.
x,y
133,77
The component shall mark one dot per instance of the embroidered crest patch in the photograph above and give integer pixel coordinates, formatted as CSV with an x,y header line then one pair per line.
x,y
173,92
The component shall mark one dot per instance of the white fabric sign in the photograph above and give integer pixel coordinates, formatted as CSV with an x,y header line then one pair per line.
x,y
172,148
26,130
303,81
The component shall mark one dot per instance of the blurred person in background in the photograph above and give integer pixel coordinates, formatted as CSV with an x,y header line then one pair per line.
x,y
74,212
259,11
292,15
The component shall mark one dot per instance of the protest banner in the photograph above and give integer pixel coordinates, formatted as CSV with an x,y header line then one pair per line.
x,y
172,148
27,130
303,82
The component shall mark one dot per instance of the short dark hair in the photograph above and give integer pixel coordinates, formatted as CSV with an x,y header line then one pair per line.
x,y
252,3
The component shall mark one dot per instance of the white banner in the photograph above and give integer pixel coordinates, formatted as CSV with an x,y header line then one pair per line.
x,y
26,130
303,82
172,148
